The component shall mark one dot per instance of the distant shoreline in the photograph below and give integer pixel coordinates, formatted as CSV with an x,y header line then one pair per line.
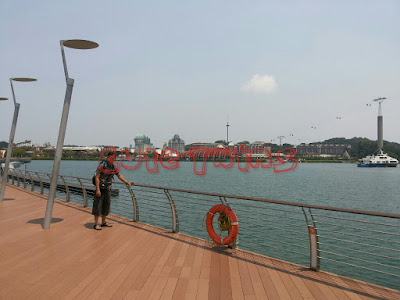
x,y
301,161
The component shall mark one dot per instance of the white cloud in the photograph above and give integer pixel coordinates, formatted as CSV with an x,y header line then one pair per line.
x,y
262,84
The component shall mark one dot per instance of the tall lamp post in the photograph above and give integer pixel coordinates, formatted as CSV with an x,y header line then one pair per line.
x,y
3,99
75,44
12,134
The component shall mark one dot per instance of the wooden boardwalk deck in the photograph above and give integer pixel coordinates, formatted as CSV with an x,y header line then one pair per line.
x,y
137,261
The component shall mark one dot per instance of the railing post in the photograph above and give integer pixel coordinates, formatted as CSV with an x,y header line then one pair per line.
x,y
31,181
67,198
16,174
41,183
85,201
135,205
314,246
175,220
12,176
23,177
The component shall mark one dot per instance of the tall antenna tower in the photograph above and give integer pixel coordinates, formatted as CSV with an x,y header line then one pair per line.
x,y
280,139
380,122
227,129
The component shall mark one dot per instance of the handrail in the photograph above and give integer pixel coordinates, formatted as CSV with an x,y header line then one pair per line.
x,y
270,227
281,202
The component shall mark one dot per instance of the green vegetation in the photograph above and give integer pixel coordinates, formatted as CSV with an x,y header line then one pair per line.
x,y
3,145
359,148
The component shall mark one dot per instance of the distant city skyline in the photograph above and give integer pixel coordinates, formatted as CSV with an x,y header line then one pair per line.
x,y
166,143
306,70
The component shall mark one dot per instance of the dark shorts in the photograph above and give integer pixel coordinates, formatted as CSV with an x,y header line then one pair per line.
x,y
101,205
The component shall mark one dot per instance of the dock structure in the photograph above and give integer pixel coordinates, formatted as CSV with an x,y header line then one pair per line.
x,y
136,261
17,159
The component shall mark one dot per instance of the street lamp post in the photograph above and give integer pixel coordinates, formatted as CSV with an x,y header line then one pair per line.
x,y
75,44
12,134
3,99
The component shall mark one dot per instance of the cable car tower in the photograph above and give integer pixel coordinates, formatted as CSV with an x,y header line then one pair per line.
x,y
380,122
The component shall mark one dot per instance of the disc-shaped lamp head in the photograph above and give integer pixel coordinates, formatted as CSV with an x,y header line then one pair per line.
x,y
23,79
2,98
80,44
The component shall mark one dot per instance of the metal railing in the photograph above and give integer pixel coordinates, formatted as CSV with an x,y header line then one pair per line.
x,y
359,244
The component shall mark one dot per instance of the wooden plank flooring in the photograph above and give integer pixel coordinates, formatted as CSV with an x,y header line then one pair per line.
x,y
138,261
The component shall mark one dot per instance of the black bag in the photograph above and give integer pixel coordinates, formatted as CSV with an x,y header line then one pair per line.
x,y
102,185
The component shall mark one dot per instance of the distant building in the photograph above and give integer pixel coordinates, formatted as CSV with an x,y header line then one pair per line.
x,y
256,149
24,144
176,143
83,149
204,145
142,142
321,149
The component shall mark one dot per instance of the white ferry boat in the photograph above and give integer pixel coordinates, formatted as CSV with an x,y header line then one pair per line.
x,y
379,160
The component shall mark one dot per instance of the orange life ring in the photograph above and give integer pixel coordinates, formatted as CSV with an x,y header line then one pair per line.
x,y
234,224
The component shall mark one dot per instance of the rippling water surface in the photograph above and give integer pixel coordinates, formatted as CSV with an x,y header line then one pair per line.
x,y
339,185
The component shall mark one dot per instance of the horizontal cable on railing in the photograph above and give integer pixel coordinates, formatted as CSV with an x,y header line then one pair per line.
x,y
162,218
151,205
358,251
352,242
155,209
186,201
268,246
262,225
359,259
275,222
153,200
355,235
165,226
123,203
197,222
275,255
358,266
356,228
285,236
276,209
280,242
146,191
275,216
360,276
358,221
189,226
144,201
189,207
188,197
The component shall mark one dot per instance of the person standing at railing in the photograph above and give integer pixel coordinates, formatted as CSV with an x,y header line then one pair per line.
x,y
102,199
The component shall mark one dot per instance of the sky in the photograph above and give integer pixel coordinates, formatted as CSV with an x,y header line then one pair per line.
x,y
270,68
